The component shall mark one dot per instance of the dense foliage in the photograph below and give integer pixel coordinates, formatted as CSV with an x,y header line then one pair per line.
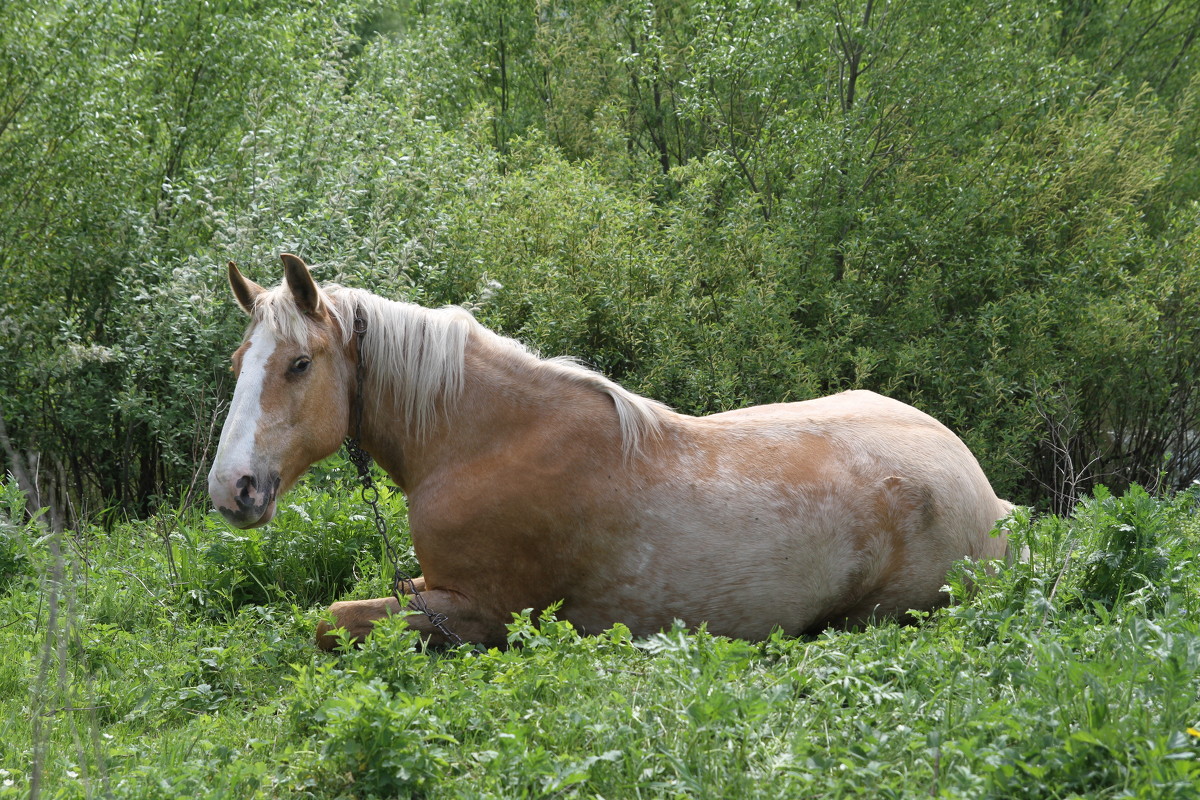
x,y
170,658
991,213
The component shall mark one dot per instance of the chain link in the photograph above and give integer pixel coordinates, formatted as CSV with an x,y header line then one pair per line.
x,y
361,460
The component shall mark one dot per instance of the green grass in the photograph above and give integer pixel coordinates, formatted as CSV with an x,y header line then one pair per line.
x,y
192,674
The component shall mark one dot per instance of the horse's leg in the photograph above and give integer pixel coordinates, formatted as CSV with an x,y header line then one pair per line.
x,y
357,617
462,617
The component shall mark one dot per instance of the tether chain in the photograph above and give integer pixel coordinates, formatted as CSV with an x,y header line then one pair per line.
x,y
361,460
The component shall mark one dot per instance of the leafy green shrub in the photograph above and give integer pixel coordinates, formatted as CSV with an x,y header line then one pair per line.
x,y
1133,536
1115,555
717,203
393,744
370,722
1087,640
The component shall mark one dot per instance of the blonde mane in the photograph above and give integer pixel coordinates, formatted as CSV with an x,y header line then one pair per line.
x,y
417,354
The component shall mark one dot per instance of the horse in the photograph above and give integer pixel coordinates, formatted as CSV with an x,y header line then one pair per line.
x,y
532,482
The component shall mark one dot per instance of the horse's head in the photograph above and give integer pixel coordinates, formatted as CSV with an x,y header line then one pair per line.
x,y
291,404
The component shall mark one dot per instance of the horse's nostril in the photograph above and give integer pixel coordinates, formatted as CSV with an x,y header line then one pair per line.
x,y
248,501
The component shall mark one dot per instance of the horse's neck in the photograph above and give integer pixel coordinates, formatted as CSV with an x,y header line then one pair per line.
x,y
507,400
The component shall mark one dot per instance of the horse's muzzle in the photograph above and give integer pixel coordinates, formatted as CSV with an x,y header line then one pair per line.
x,y
248,503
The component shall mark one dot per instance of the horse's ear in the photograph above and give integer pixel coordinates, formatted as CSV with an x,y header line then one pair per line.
x,y
245,290
301,284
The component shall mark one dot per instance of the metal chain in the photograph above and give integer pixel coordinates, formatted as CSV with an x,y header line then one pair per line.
x,y
361,460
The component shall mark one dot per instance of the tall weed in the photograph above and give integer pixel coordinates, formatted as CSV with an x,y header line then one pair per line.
x,y
15,533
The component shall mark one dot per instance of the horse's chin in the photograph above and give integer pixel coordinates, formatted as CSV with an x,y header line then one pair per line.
x,y
268,515
244,523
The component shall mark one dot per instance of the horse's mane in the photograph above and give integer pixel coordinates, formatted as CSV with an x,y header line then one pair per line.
x,y
417,353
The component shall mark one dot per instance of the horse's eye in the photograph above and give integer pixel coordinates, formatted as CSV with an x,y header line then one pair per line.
x,y
301,364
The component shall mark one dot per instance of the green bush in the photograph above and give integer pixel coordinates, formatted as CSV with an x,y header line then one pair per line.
x,y
990,214
391,743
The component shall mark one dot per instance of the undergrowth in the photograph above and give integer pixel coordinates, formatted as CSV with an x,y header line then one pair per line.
x,y
189,672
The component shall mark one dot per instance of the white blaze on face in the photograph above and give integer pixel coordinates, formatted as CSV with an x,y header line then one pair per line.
x,y
236,454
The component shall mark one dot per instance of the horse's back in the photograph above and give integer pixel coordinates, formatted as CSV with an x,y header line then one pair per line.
x,y
843,412
859,430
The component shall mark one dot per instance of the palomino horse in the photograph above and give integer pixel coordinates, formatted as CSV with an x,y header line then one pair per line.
x,y
531,481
